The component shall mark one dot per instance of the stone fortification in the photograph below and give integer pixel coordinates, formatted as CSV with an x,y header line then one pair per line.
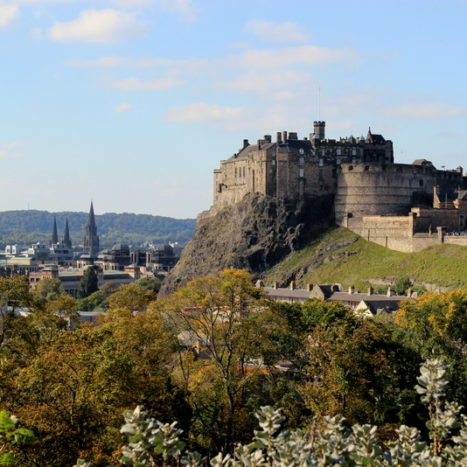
x,y
269,197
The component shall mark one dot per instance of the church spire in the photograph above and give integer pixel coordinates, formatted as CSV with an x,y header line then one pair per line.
x,y
91,239
54,233
66,235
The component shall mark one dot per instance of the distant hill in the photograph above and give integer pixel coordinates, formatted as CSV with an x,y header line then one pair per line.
x,y
341,256
32,226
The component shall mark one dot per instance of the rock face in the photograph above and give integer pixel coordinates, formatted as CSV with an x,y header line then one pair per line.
x,y
254,234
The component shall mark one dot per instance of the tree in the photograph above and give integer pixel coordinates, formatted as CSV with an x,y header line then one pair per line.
x,y
88,283
212,311
327,442
131,297
403,283
49,288
152,284
14,293
10,437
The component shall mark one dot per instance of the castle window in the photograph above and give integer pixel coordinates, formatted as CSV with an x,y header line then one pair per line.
x,y
354,152
243,171
338,161
274,162
235,172
338,152
321,162
350,168
302,173
301,161
367,168
420,182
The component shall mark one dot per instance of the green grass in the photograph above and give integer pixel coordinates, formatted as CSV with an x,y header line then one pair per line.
x,y
341,256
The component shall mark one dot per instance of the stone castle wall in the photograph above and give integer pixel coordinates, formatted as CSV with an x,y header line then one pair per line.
x,y
380,189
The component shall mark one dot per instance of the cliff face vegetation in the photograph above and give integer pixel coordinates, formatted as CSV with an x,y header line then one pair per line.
x,y
254,234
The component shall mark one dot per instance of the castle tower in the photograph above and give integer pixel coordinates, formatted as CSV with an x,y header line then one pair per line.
x,y
66,235
91,239
319,130
54,239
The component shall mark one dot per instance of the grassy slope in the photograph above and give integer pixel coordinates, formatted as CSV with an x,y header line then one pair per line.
x,y
341,256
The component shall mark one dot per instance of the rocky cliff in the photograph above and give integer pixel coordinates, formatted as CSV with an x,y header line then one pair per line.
x,y
254,234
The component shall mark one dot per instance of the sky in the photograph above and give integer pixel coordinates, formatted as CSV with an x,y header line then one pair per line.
x,y
133,103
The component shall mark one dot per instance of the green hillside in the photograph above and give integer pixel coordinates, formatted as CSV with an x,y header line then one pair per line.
x,y
339,255
32,226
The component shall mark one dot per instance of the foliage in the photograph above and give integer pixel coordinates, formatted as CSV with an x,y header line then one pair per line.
x,y
49,288
113,228
130,297
328,442
402,284
10,437
88,283
97,298
149,283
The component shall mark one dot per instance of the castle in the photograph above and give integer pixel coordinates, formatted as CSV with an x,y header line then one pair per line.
x,y
405,207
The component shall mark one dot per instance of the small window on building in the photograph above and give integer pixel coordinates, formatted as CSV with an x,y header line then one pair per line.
x,y
274,162
302,173
243,171
321,162
354,152
420,182
301,161
338,152
367,168
338,161
235,172
351,167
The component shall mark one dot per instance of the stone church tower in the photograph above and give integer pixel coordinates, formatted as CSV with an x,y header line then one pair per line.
x,y
91,239
54,239
66,236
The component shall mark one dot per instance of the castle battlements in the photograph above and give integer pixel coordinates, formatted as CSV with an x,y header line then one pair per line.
x,y
359,173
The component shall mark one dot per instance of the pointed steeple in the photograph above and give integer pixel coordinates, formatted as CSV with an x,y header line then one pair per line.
x,y
54,239
66,235
91,239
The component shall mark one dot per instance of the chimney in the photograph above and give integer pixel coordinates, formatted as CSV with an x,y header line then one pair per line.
x,y
259,284
267,138
370,290
245,143
284,136
292,285
309,287
259,144
275,285
279,137
389,293
293,135
351,289
409,292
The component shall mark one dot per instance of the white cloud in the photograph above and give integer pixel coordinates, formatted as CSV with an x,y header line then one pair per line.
x,y
182,7
135,84
184,65
425,111
8,13
122,107
237,118
100,26
282,82
287,56
9,151
277,32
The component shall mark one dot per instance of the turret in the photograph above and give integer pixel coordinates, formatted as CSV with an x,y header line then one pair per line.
x,y
66,235
319,130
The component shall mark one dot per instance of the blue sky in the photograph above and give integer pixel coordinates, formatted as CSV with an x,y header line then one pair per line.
x,y
134,102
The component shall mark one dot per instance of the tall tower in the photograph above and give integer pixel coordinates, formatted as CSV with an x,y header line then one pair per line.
x,y
91,239
66,235
319,130
54,239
